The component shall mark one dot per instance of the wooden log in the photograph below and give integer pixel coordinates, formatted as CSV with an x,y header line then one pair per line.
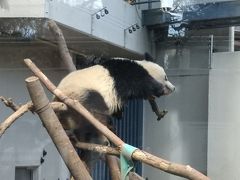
x,y
135,176
55,130
97,148
112,162
62,46
185,171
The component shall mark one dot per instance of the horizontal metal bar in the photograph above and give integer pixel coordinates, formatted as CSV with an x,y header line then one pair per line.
x,y
144,2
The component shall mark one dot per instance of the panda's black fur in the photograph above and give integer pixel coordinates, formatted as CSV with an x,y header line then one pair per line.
x,y
132,80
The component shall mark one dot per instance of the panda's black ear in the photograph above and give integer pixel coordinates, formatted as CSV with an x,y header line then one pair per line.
x,y
148,57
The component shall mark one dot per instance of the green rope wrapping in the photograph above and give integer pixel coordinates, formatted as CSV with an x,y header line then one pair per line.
x,y
126,162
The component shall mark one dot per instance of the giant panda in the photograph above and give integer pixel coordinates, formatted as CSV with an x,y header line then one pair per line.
x,y
104,88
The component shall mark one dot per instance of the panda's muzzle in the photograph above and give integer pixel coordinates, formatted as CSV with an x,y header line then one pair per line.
x,y
168,88
161,90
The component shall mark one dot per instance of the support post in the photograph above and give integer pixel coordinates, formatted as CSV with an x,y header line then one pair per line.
x,y
231,39
55,130
114,169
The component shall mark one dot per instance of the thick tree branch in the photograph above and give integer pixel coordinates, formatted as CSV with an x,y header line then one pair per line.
x,y
55,130
59,106
112,162
62,46
135,176
173,168
11,119
97,148
185,171
9,103
20,110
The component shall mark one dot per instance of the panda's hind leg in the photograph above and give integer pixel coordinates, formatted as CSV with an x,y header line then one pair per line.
x,y
91,135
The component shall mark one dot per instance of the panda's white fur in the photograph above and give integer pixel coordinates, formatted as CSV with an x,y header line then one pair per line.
x,y
95,78
158,73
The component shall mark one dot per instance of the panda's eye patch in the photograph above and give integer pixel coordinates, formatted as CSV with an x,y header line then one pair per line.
x,y
166,79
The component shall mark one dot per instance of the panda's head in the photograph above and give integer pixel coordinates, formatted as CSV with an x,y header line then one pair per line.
x,y
158,74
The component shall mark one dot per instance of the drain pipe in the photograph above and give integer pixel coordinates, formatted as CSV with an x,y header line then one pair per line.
x,y
231,39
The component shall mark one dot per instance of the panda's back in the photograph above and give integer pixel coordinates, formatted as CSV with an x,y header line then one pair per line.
x,y
89,85
77,82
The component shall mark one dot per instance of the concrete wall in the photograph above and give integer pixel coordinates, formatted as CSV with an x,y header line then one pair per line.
x,y
224,122
111,28
24,8
181,136
23,143
80,15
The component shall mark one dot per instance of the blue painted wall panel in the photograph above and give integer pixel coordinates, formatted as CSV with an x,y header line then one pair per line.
x,y
130,130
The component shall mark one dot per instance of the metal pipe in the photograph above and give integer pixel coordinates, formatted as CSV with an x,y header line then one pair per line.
x,y
210,51
231,38
144,2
